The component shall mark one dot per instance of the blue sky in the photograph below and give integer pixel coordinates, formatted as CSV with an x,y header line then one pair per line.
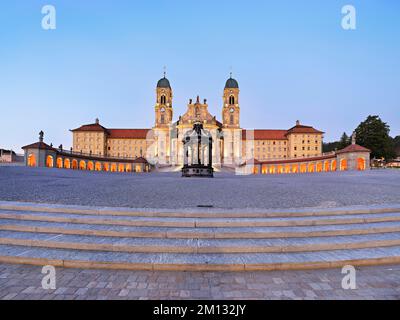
x,y
292,60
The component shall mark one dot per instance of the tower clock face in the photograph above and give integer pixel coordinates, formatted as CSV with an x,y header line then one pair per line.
x,y
231,110
162,109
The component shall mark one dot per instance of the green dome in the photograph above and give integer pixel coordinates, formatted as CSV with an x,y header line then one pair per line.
x,y
163,83
231,84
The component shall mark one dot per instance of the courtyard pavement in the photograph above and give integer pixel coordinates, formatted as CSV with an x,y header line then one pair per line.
x,y
225,191
24,282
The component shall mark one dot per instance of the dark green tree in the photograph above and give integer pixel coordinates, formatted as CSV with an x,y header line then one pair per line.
x,y
373,134
396,144
330,146
345,140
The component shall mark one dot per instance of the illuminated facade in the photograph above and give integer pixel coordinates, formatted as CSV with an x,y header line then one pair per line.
x,y
233,145
260,151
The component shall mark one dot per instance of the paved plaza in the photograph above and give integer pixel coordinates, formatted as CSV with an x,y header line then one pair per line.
x,y
24,282
169,190
70,236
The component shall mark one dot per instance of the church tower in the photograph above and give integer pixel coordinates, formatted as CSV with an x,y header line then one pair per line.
x,y
163,107
231,110
163,120
231,122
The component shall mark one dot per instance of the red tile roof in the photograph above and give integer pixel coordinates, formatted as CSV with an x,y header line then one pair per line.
x,y
264,134
299,128
91,127
140,160
353,148
129,133
39,145
115,133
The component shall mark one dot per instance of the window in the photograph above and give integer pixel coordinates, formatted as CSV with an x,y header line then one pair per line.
x,y
162,119
163,99
231,100
231,120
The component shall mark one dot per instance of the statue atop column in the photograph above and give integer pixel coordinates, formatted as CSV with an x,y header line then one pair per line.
x,y
353,138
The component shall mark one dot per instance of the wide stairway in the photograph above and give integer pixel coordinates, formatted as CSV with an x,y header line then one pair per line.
x,y
201,240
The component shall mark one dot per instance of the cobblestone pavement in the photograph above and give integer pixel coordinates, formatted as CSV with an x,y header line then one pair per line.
x,y
169,190
24,282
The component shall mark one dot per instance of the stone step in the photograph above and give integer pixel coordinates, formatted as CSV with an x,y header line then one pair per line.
x,y
120,238
155,245
198,262
197,233
205,213
197,222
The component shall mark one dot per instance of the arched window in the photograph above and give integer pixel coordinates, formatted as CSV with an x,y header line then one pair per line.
x,y
90,166
231,119
163,99
31,160
59,163
67,164
74,164
263,169
334,165
343,165
231,100
49,162
272,170
82,165
361,164
162,120
98,166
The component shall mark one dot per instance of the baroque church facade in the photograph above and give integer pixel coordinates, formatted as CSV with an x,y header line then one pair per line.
x,y
232,145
